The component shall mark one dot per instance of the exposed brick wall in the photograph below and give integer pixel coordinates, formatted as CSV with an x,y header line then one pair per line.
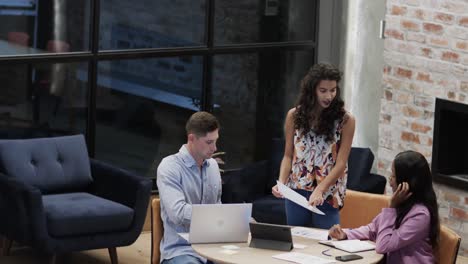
x,y
426,56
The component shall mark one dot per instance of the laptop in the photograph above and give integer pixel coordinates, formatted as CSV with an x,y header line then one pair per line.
x,y
220,223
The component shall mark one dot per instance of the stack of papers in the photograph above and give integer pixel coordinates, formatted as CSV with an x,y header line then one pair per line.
x,y
351,246
303,258
310,233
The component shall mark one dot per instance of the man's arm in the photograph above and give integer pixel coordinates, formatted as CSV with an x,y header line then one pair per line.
x,y
172,195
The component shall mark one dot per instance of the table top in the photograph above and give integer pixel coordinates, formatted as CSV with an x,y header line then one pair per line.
x,y
247,255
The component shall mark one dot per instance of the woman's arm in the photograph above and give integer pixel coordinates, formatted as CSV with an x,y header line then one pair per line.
x,y
414,227
337,171
286,162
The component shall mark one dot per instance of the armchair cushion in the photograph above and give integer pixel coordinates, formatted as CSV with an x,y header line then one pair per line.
x,y
83,213
49,164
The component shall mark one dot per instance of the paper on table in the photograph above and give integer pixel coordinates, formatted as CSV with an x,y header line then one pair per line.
x,y
302,258
310,233
296,198
352,246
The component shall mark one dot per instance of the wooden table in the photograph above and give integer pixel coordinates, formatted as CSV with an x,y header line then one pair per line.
x,y
247,255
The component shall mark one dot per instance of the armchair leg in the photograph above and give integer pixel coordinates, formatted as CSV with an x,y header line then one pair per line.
x,y
7,243
53,259
113,255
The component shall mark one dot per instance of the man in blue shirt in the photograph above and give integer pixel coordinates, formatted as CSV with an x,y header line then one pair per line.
x,y
188,177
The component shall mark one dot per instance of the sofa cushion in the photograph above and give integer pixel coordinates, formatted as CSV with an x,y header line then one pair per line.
x,y
83,213
49,164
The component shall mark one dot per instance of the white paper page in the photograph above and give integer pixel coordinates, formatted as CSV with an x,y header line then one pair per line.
x,y
302,258
353,245
310,233
296,198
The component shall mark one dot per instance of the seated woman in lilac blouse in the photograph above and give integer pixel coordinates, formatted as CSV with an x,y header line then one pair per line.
x,y
408,231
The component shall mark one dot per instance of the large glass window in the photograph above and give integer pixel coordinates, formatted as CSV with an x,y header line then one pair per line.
x,y
42,100
132,89
144,104
264,21
152,24
33,26
252,94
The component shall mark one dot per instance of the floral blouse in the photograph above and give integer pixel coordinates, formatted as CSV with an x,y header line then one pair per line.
x,y
313,159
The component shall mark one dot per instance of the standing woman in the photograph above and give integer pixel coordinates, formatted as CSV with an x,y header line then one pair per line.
x,y
319,133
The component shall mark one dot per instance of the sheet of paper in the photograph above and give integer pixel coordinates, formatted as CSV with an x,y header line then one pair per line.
x,y
310,233
353,245
293,196
303,258
228,251
299,246
231,247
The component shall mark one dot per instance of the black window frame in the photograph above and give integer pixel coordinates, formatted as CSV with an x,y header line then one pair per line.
x,y
93,56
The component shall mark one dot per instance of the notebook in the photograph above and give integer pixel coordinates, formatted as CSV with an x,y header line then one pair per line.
x,y
220,223
351,246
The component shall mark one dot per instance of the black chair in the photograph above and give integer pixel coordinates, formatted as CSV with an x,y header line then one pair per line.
x,y
253,183
54,198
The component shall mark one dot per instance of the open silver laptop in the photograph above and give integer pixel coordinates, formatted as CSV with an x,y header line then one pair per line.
x,y
220,223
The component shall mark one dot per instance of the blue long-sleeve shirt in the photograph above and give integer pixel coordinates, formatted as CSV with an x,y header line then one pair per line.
x,y
182,183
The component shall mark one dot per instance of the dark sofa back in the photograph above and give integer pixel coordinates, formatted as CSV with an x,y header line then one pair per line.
x,y
49,164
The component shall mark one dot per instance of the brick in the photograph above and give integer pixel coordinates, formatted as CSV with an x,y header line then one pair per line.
x,y
440,42
411,112
410,25
451,95
387,69
464,86
404,73
416,127
454,7
412,2
452,197
415,87
419,14
416,37
424,102
457,32
403,98
462,45
393,33
425,77
410,137
466,200
458,213
433,28
398,10
461,97
388,95
444,18
427,52
463,21
450,56
386,118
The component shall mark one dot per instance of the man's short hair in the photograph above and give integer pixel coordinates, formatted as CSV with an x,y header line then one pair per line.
x,y
201,123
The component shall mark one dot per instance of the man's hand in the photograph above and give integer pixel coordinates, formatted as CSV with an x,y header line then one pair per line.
x,y
337,233
400,195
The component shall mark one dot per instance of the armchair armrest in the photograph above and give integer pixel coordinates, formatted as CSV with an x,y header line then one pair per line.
x,y
21,206
120,185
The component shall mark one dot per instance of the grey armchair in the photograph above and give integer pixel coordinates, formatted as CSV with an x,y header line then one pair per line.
x,y
54,198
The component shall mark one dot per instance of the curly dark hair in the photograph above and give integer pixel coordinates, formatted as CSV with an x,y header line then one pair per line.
x,y
306,103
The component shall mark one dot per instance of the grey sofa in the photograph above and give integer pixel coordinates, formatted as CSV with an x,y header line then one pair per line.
x,y
54,198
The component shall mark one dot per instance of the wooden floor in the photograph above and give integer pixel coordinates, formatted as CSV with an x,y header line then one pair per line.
x,y
139,252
